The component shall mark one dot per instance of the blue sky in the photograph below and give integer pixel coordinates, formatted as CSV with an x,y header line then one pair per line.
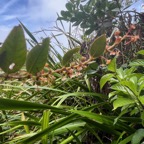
x,y
137,6
35,14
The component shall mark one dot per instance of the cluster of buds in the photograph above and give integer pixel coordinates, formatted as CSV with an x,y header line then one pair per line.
x,y
132,39
74,69
46,76
49,79
118,39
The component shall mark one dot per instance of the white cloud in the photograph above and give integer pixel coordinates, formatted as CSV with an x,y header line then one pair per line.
x,y
44,10
6,6
35,15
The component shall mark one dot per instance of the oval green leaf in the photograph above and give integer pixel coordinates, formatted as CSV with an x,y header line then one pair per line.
x,y
69,55
138,136
121,101
105,79
137,62
141,52
37,57
98,46
13,52
69,6
112,66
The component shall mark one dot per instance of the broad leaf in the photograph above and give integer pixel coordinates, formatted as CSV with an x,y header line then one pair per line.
x,y
121,88
141,52
93,66
112,65
69,55
37,57
113,93
69,6
13,51
105,79
120,73
138,62
98,46
130,85
130,71
138,136
141,99
120,102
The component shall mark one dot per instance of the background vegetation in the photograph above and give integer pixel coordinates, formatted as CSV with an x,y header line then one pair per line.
x,y
93,94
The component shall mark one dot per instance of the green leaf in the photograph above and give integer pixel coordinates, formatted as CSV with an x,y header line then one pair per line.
x,y
89,31
141,98
37,57
102,119
55,126
112,66
130,71
28,32
138,62
121,88
113,93
141,52
138,136
29,123
45,124
142,117
11,129
13,51
120,74
130,85
98,46
120,102
93,116
26,127
51,128
69,6
92,66
134,80
126,140
69,55
90,71
71,126
65,14
8,104
105,79
75,136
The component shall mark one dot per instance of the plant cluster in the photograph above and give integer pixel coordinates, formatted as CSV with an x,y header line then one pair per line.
x,y
90,14
89,97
